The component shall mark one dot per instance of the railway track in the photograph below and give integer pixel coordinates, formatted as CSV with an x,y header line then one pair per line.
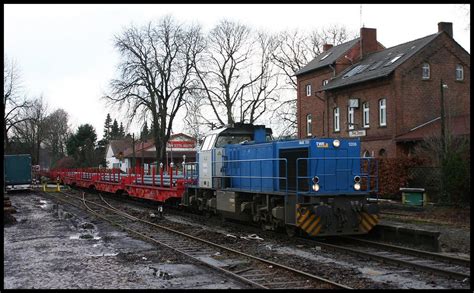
x,y
447,266
255,271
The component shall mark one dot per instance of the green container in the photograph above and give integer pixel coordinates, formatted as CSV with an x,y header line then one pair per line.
x,y
17,169
414,196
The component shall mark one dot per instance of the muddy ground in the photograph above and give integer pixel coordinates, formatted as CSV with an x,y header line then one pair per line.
x,y
51,248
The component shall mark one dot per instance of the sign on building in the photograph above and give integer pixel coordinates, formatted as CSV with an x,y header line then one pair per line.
x,y
357,133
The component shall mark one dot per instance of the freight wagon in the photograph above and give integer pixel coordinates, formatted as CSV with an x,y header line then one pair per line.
x,y
17,171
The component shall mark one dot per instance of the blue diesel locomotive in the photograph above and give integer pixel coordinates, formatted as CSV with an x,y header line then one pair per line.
x,y
319,186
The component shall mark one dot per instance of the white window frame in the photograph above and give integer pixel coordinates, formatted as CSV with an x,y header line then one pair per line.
x,y
425,68
309,125
383,112
350,118
459,68
325,82
308,90
365,115
336,119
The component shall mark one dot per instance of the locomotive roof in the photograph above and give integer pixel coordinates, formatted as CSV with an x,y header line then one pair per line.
x,y
239,128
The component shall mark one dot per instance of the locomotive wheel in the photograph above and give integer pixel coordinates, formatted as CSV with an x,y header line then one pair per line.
x,y
290,230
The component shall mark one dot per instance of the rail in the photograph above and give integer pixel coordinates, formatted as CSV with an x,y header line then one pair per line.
x,y
276,276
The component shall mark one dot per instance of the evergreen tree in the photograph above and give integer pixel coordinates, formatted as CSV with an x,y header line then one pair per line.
x,y
115,130
107,127
121,131
145,132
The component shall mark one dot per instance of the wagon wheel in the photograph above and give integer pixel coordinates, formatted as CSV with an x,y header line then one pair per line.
x,y
290,230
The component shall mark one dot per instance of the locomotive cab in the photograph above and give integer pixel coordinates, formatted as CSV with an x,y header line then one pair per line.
x,y
212,152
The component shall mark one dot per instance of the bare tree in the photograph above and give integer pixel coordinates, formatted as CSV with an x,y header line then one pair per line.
x,y
13,103
294,51
33,128
156,73
194,119
263,92
57,133
227,73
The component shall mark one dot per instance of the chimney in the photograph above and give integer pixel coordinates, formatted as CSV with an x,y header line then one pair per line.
x,y
368,41
446,27
327,47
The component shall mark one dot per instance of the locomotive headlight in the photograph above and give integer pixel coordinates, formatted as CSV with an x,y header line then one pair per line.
x,y
315,179
336,143
357,186
316,187
357,179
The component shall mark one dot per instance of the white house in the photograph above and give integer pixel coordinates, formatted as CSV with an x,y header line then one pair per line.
x,y
114,153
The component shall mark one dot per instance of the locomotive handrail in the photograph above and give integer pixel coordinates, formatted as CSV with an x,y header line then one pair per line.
x,y
324,176
256,177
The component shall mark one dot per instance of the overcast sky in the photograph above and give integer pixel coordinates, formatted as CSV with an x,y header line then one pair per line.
x,y
65,52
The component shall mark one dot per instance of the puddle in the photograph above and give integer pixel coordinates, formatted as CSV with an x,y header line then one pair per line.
x,y
87,226
389,277
85,236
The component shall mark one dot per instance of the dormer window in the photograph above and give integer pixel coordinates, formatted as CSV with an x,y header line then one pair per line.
x,y
426,71
394,59
325,56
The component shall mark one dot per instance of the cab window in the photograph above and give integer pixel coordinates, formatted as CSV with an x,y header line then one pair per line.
x,y
231,139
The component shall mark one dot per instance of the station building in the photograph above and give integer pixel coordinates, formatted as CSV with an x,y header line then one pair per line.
x,y
389,97
180,147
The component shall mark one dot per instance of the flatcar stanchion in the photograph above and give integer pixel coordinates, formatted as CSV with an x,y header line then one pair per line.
x,y
171,174
161,174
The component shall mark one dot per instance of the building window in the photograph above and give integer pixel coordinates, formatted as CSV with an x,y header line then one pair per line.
x,y
426,71
325,82
366,154
383,112
382,153
459,72
350,118
308,125
336,119
365,114
308,90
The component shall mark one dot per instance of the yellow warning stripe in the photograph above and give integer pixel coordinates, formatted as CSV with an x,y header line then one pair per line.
x,y
316,231
302,218
313,225
369,219
308,222
366,225
374,217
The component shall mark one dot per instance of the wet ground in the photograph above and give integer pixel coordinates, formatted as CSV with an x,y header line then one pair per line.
x,y
54,248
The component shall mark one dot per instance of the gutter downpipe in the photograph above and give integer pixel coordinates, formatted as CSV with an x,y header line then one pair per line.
x,y
327,99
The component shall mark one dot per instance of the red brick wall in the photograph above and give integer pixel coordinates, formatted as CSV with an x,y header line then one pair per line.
x,y
411,101
421,98
311,104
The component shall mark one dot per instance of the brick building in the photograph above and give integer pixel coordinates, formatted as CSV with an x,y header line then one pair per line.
x,y
389,97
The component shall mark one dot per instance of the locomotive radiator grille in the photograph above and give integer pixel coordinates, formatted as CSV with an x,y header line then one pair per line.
x,y
308,222
367,221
